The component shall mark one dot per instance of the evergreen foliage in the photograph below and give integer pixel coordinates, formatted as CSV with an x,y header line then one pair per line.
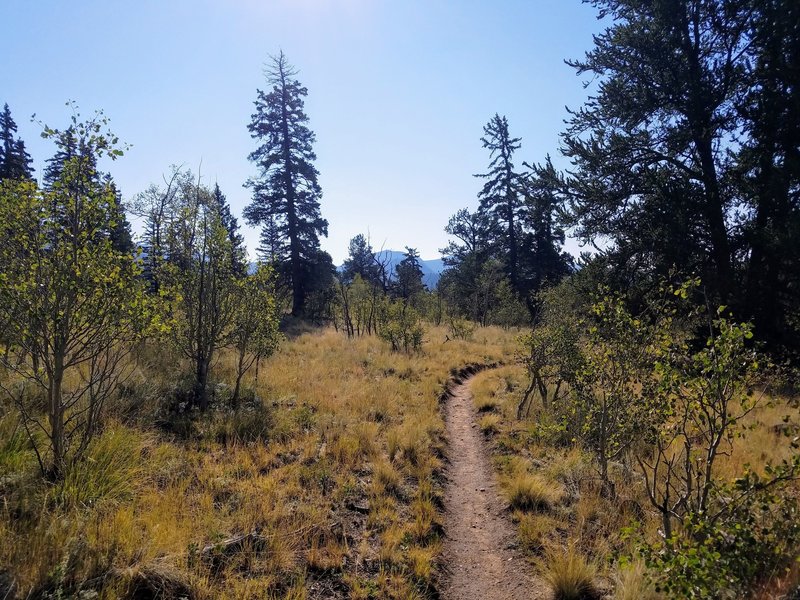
x,y
15,163
687,156
361,261
286,192
501,194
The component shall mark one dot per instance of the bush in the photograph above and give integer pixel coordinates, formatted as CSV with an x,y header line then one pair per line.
x,y
400,326
461,329
732,554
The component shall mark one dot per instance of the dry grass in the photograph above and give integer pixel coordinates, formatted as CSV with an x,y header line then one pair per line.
x,y
569,574
528,492
335,469
631,583
490,424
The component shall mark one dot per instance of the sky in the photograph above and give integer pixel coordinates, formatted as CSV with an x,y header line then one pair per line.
x,y
398,93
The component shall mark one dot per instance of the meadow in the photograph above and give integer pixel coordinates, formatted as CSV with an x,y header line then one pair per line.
x,y
326,482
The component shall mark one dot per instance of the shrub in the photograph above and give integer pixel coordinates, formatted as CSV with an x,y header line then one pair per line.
x,y
732,553
400,326
461,329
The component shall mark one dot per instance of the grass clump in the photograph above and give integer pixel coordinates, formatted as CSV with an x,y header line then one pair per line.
x,y
631,583
109,471
249,424
570,575
527,492
490,424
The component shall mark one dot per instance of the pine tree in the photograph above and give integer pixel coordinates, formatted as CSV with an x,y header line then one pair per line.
x,y
286,193
119,227
409,276
544,261
361,261
466,258
661,128
15,163
500,195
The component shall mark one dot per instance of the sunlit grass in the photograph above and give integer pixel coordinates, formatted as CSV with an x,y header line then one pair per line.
x,y
336,423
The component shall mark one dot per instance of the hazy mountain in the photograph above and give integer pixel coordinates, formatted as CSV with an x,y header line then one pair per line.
x,y
431,269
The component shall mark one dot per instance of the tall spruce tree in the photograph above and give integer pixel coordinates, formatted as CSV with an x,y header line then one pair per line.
x,y
465,258
500,195
544,261
286,192
119,229
408,272
15,163
769,164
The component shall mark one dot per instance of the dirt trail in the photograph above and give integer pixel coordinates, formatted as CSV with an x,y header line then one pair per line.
x,y
479,552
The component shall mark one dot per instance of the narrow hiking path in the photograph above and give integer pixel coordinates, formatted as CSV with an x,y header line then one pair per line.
x,y
479,553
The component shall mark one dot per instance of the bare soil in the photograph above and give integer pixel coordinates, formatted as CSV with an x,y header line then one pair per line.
x,y
480,559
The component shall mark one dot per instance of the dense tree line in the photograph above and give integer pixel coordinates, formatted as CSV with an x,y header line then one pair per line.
x,y
687,157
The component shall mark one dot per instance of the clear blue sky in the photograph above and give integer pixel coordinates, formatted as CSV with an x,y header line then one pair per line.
x,y
398,92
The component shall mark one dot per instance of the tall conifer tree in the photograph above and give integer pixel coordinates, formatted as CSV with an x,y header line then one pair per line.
x,y
15,163
286,192
500,195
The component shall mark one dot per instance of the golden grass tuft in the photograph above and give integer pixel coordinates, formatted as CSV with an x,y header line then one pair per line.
x,y
631,583
528,492
490,424
569,574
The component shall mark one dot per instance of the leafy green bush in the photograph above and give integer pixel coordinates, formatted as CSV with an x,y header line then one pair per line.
x,y
461,329
728,555
400,326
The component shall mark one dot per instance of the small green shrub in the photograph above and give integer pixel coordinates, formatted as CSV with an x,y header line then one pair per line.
x,y
400,325
461,329
732,554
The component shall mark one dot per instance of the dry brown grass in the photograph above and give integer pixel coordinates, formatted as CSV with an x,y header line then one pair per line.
x,y
341,485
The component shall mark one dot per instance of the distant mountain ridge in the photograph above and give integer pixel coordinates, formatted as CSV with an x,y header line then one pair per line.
x,y
431,269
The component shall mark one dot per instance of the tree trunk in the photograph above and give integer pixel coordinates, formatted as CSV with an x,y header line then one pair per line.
x,y
239,375
57,418
201,383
